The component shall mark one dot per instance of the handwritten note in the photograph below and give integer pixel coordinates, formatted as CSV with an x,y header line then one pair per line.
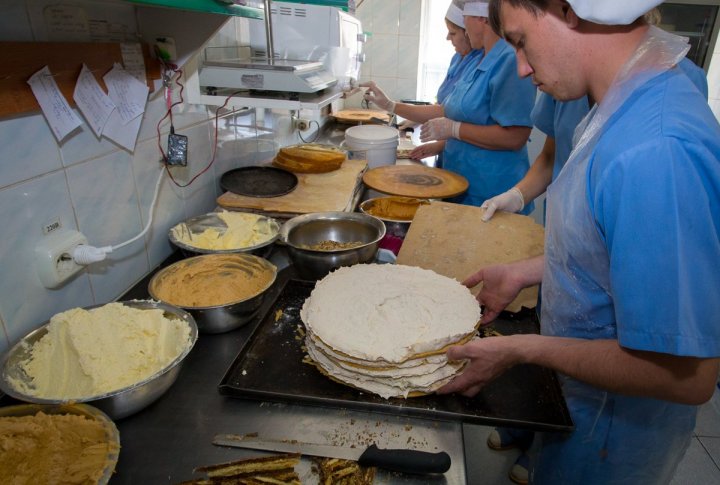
x,y
61,118
133,60
94,104
128,94
124,135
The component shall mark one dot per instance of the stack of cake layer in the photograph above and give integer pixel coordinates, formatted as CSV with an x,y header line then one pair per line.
x,y
386,328
310,158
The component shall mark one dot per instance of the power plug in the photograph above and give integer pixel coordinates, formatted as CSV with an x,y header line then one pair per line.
x,y
54,260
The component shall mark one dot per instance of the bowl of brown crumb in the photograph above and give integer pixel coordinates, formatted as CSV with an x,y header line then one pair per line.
x,y
323,241
221,291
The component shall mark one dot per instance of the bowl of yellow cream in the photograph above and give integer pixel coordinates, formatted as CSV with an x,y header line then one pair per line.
x,y
225,232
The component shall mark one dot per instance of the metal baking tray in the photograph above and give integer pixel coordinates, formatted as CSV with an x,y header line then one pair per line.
x,y
270,367
259,181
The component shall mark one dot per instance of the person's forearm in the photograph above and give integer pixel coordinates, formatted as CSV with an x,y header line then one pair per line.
x,y
607,365
419,113
540,174
528,271
495,137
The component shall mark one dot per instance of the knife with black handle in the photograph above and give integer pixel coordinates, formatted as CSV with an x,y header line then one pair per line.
x,y
397,460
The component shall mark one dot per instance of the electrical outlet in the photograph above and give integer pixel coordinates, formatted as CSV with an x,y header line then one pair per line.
x,y
301,124
54,261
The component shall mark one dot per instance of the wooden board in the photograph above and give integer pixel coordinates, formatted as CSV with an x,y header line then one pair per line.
x,y
315,192
354,116
415,181
20,60
450,239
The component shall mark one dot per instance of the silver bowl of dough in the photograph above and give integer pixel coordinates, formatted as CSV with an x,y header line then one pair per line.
x,y
116,404
204,286
181,235
323,241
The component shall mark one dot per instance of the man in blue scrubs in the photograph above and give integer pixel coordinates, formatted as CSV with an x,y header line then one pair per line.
x,y
629,317
558,120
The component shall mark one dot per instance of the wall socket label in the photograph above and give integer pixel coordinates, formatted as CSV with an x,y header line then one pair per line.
x,y
51,226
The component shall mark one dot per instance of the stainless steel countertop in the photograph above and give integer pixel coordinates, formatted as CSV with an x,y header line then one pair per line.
x,y
164,442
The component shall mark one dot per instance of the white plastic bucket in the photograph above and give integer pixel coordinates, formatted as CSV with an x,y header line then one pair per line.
x,y
375,143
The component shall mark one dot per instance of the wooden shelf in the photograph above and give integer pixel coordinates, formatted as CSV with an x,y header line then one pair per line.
x,y
20,60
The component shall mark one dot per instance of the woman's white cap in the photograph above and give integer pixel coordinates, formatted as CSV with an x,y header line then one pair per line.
x,y
455,15
612,12
476,8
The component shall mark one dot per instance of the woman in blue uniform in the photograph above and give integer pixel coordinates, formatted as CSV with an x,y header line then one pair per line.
x,y
485,120
465,59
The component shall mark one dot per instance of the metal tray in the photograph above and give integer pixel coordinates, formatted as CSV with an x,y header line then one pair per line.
x,y
270,368
259,181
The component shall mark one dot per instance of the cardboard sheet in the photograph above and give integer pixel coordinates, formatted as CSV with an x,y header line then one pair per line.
x,y
450,239
315,192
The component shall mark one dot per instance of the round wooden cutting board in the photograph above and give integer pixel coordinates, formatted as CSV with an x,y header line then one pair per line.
x,y
415,181
354,116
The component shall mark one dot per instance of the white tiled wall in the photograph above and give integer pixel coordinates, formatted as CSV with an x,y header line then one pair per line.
x,y
393,28
105,192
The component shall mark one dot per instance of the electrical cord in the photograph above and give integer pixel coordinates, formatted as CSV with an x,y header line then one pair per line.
x,y
84,254
317,133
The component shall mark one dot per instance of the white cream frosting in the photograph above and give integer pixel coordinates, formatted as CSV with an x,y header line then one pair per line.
x,y
244,230
438,358
389,313
92,352
418,369
388,386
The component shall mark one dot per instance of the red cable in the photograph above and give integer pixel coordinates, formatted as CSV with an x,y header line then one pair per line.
x,y
215,138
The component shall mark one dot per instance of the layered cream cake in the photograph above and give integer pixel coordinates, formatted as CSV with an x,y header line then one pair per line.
x,y
385,328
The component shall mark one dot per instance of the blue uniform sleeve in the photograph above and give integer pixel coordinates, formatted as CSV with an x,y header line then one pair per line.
x,y
658,208
543,114
512,98
450,78
695,74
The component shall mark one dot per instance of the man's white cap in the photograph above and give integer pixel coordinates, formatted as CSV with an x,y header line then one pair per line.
x,y
455,15
476,8
612,12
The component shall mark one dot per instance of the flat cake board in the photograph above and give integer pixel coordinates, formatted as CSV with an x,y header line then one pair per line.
x,y
451,240
315,192
415,180
355,116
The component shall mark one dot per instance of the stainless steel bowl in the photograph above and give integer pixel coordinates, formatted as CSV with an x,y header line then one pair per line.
x,y
199,224
394,226
111,433
229,316
344,227
117,404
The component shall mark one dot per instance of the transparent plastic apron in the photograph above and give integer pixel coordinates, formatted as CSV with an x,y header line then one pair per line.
x,y
577,303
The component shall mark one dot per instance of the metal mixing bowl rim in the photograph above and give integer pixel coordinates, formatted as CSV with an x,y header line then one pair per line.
x,y
264,261
331,216
8,389
246,249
